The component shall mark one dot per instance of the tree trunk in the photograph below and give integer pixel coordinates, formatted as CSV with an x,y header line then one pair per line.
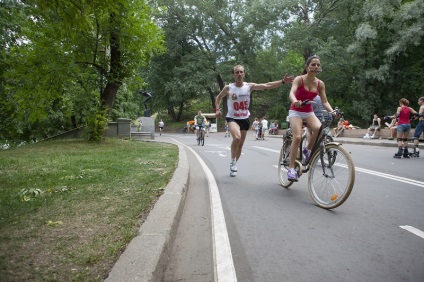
x,y
180,111
171,112
114,76
109,96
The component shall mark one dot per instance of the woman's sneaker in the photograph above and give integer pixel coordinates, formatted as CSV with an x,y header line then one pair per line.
x,y
292,174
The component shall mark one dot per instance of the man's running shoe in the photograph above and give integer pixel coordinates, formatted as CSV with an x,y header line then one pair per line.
x,y
233,167
307,154
292,174
233,173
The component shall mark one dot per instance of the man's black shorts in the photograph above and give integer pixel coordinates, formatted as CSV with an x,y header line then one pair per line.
x,y
243,123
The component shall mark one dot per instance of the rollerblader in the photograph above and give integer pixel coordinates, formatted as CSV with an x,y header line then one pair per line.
x,y
404,126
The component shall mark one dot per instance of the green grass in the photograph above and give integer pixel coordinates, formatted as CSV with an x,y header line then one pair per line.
x,y
68,208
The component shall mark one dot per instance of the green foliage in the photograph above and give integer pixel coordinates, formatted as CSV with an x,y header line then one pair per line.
x,y
63,58
96,126
60,60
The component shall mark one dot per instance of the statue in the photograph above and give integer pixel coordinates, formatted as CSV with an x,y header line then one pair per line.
x,y
148,96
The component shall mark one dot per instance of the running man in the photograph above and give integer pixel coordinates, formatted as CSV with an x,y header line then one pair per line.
x,y
238,102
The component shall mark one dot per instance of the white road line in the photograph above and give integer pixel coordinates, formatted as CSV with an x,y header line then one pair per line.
x,y
372,172
393,177
266,149
413,230
223,258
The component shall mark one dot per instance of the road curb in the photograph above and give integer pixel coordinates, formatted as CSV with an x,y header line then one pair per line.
x,y
145,257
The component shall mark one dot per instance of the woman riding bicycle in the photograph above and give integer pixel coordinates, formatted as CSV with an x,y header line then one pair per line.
x,y
305,87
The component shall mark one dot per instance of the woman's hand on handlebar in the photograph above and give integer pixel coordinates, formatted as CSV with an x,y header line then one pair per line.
x,y
300,103
297,104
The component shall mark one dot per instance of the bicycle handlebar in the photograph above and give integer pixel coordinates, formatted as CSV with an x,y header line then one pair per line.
x,y
337,110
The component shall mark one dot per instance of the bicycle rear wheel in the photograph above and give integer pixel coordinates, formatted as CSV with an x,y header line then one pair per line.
x,y
283,164
330,182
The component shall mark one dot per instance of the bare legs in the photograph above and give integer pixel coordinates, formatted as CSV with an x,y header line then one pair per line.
x,y
238,139
313,123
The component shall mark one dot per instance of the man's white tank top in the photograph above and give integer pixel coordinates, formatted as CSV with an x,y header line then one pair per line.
x,y
238,101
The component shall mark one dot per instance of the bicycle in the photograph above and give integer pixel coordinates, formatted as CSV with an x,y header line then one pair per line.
x,y
331,169
200,136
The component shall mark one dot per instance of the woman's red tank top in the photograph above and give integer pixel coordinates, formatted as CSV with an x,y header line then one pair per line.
x,y
302,94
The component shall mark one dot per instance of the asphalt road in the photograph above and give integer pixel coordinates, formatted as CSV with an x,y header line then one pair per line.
x,y
278,234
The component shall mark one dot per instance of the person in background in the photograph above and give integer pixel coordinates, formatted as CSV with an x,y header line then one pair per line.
x,y
255,128
340,126
264,123
404,126
199,121
161,125
238,101
273,128
375,126
419,128
392,126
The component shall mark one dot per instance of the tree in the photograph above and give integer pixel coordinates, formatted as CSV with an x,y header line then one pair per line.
x,y
79,52
387,38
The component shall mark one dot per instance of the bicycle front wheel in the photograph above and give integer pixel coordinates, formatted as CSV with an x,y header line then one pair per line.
x,y
198,138
283,165
331,176
202,139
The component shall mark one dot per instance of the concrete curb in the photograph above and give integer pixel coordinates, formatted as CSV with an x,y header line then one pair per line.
x,y
372,142
145,257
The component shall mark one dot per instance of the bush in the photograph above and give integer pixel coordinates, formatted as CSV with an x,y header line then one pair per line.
x,y
96,126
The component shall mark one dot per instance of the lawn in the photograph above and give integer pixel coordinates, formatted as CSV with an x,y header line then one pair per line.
x,y
68,208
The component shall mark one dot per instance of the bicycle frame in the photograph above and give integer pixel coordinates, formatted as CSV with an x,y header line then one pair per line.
x,y
201,135
319,144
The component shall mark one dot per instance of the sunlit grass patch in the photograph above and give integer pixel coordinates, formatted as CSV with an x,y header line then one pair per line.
x,y
68,208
